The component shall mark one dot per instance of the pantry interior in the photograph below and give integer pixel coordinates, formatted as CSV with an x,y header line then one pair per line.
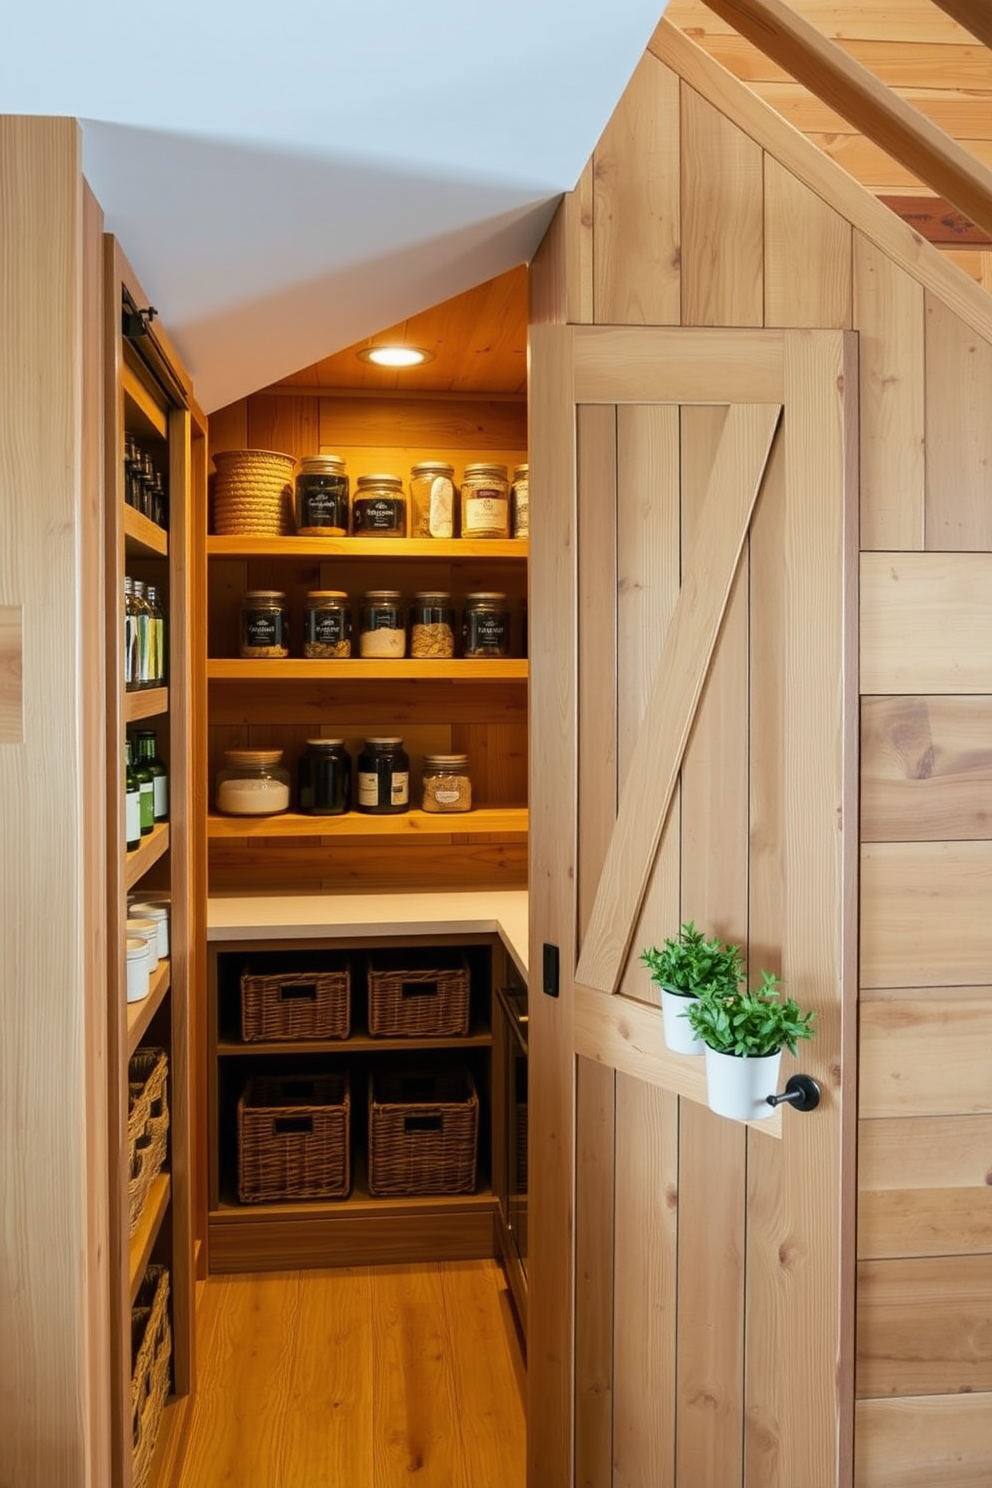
x,y
329,975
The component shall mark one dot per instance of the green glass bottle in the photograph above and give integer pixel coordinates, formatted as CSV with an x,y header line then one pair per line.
x,y
132,802
146,787
146,748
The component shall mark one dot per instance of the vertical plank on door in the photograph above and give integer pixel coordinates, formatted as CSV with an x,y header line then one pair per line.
x,y
646,1285
806,1186
807,255
958,433
722,219
596,436
712,1152
888,316
11,687
636,203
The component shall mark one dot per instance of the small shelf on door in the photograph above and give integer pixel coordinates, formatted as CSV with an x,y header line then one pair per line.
x,y
502,821
143,1240
450,550
146,415
150,849
143,538
150,702
293,669
140,1014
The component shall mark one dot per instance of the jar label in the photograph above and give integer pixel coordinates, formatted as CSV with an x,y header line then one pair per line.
x,y
327,627
485,511
490,630
368,788
324,507
263,628
378,514
447,797
441,520
399,790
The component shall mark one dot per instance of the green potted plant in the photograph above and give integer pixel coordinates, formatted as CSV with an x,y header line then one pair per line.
x,y
744,1033
682,968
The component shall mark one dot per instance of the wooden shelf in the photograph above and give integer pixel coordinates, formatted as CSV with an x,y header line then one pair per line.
x,y
143,538
150,702
140,1014
152,417
359,1201
148,852
295,669
149,1225
452,550
497,820
357,1042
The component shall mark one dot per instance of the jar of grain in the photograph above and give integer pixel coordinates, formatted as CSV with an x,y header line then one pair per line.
x,y
264,624
379,507
520,502
322,497
253,782
485,501
432,499
327,624
485,625
381,631
446,783
432,626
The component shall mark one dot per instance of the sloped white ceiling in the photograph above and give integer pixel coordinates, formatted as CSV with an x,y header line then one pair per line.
x,y
287,178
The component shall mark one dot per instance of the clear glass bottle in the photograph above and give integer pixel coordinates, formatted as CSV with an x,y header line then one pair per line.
x,y
130,637
485,626
446,784
485,501
381,631
383,777
325,778
322,497
143,621
520,502
432,626
432,499
327,624
264,624
252,782
146,753
379,507
132,802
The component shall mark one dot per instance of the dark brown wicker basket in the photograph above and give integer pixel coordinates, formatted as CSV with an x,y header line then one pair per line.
x,y
294,1138
307,1003
147,1126
413,993
151,1356
423,1132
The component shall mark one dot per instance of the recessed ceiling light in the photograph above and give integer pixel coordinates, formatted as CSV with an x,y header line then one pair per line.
x,y
395,356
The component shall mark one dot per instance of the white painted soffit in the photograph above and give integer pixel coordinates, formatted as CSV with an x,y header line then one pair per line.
x,y
288,178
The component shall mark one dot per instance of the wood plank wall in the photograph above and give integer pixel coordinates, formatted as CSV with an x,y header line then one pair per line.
x,y
488,723
683,218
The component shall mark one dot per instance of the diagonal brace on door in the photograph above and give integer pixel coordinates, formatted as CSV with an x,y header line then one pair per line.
x,y
734,484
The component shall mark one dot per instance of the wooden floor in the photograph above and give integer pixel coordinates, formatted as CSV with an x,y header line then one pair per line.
x,y
361,1377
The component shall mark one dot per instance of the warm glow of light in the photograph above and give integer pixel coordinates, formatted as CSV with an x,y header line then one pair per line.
x,y
394,356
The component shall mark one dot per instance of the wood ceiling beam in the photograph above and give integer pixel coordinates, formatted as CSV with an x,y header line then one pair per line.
x,y
974,15
854,93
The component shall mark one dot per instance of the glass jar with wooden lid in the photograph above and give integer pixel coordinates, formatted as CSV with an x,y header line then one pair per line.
x,y
485,501
252,782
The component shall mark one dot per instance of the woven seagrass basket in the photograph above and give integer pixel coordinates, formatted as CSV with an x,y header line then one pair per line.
x,y
423,1132
151,1354
253,493
147,1126
294,1138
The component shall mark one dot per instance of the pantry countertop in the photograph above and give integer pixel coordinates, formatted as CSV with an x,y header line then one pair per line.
x,y
302,916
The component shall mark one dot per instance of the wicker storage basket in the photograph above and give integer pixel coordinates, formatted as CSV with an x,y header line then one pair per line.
x,y
147,1126
423,1132
294,1138
151,1355
253,493
298,1003
412,993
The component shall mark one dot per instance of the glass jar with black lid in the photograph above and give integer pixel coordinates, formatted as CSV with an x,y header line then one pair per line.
x,y
322,497
327,624
379,507
485,625
432,626
325,778
383,777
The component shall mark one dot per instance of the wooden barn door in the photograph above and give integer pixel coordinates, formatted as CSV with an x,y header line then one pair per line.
x,y
694,723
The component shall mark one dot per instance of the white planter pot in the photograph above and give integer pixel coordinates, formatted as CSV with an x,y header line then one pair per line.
x,y
678,1030
737,1087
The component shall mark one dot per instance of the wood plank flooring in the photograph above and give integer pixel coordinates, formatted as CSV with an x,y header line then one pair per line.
x,y
358,1377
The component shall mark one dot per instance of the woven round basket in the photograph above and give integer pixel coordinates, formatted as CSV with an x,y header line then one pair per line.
x,y
253,493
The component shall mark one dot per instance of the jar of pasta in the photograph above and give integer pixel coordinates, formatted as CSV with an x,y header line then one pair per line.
x,y
432,499
485,501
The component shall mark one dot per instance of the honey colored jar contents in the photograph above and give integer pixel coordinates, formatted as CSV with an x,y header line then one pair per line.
x,y
432,640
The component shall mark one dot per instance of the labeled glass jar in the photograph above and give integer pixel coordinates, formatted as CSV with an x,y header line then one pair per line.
x,y
485,501
432,499
520,502
322,497
379,507
264,624
432,626
383,777
485,625
253,782
381,627
325,778
446,784
327,624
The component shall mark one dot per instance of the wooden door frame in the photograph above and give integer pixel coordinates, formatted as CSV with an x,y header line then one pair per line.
x,y
805,371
